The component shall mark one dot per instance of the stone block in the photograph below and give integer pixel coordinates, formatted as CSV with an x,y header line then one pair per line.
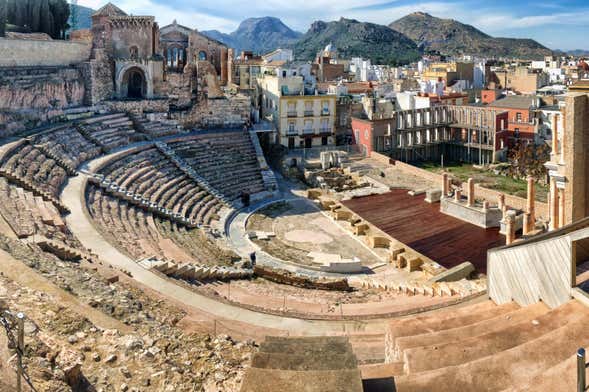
x,y
414,264
433,196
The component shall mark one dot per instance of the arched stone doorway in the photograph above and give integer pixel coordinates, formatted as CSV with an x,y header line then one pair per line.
x,y
134,84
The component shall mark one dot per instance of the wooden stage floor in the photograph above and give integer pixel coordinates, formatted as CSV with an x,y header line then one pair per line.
x,y
421,226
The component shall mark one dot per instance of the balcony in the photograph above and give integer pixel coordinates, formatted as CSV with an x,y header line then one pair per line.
x,y
292,132
292,114
325,131
309,113
308,131
325,113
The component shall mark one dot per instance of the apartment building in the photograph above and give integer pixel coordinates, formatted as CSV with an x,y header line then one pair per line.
x,y
303,117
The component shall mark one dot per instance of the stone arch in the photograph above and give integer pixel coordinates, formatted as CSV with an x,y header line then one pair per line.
x,y
133,81
202,56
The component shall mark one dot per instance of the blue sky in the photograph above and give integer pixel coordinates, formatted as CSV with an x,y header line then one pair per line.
x,y
558,25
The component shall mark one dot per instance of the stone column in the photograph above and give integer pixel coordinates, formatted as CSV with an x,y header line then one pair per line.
x,y
553,205
501,202
561,208
470,192
531,205
509,227
527,226
555,151
485,205
445,187
458,195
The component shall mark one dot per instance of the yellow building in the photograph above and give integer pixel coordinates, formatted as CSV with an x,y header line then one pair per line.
x,y
449,72
302,119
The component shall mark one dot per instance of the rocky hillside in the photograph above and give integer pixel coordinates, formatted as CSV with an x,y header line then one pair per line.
x,y
451,37
357,39
261,35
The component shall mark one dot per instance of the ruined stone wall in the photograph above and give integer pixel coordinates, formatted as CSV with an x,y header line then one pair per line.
x,y
32,96
36,53
490,195
98,77
232,112
138,107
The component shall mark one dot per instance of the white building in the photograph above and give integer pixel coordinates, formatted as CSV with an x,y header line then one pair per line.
x,y
279,55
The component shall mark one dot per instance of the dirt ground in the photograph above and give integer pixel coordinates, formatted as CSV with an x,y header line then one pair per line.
x,y
301,228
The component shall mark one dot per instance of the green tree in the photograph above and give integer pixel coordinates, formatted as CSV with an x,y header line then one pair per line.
x,y
39,16
3,11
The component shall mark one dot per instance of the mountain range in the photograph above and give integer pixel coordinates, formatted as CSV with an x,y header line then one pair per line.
x,y
352,38
260,35
403,41
451,37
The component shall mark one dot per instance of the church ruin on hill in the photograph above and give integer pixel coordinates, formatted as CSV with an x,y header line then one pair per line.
x,y
127,63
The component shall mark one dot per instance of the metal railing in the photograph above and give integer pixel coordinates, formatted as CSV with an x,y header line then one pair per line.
x,y
581,368
292,114
309,113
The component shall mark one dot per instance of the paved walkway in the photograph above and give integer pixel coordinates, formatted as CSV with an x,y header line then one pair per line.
x,y
82,227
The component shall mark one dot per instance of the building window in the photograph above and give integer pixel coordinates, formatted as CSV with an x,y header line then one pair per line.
x,y
202,55
518,117
134,52
324,141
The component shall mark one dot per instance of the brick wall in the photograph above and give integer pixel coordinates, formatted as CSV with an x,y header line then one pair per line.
x,y
31,53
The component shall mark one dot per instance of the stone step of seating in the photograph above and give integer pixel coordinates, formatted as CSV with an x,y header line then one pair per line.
x,y
560,377
325,364
328,361
509,368
434,339
257,380
103,118
452,350
440,320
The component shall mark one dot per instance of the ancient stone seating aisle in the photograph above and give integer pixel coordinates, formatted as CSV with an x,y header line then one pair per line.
x,y
65,143
153,176
226,160
31,165
321,364
30,215
156,128
110,131
477,347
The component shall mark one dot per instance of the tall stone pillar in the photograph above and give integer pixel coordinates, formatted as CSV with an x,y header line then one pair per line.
x,y
458,195
553,205
561,208
445,186
555,150
470,192
531,202
509,227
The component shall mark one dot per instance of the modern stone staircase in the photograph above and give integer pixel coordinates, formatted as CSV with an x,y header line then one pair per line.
x,y
310,364
268,176
195,272
487,347
69,169
189,171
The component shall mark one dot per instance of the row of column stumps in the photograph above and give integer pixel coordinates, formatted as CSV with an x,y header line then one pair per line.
x,y
529,217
